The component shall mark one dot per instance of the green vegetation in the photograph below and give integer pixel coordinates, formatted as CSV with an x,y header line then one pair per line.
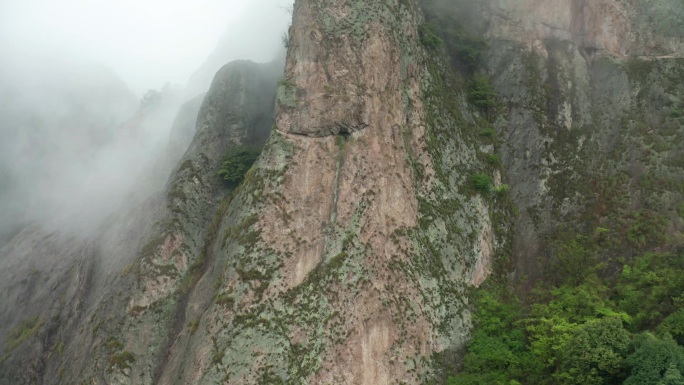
x,y
22,332
193,325
195,269
488,132
218,354
236,164
341,140
482,93
429,37
493,159
121,361
482,183
651,288
674,326
502,189
113,344
286,93
177,193
654,360
225,299
588,327
638,69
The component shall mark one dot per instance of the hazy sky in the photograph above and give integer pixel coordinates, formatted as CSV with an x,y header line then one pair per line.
x,y
146,42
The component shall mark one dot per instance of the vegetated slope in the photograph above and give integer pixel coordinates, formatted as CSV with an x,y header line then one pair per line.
x,y
588,117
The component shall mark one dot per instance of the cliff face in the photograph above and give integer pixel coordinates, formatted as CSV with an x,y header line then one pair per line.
x,y
590,120
337,260
348,253
617,28
343,264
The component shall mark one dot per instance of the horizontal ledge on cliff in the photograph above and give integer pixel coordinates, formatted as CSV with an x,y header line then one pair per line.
x,y
337,130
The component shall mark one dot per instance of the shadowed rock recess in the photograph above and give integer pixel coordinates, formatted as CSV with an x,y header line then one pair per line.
x,y
350,250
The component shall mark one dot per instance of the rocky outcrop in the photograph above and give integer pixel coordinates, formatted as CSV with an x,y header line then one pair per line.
x,y
51,282
335,69
347,253
345,256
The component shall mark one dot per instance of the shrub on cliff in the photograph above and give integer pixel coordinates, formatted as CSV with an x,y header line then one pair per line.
x,y
482,183
236,164
429,37
482,93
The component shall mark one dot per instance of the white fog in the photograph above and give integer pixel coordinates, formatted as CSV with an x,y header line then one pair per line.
x,y
76,142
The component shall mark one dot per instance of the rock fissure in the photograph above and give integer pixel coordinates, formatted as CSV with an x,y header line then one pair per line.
x,y
339,163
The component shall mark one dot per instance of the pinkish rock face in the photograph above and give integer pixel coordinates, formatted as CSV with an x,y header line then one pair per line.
x,y
333,76
617,28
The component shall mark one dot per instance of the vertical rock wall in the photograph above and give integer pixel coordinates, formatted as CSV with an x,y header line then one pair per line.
x,y
590,121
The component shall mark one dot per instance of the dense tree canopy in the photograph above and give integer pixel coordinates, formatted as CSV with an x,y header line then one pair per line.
x,y
586,328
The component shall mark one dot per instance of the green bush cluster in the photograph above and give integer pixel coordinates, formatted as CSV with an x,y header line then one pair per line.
x,y
493,159
121,361
482,183
428,36
583,330
488,133
22,332
482,93
236,164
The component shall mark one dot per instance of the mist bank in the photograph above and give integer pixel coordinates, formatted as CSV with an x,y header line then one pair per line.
x,y
257,36
75,142
147,42
78,142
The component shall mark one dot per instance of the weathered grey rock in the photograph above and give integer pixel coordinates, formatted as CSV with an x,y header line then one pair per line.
x,y
590,113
